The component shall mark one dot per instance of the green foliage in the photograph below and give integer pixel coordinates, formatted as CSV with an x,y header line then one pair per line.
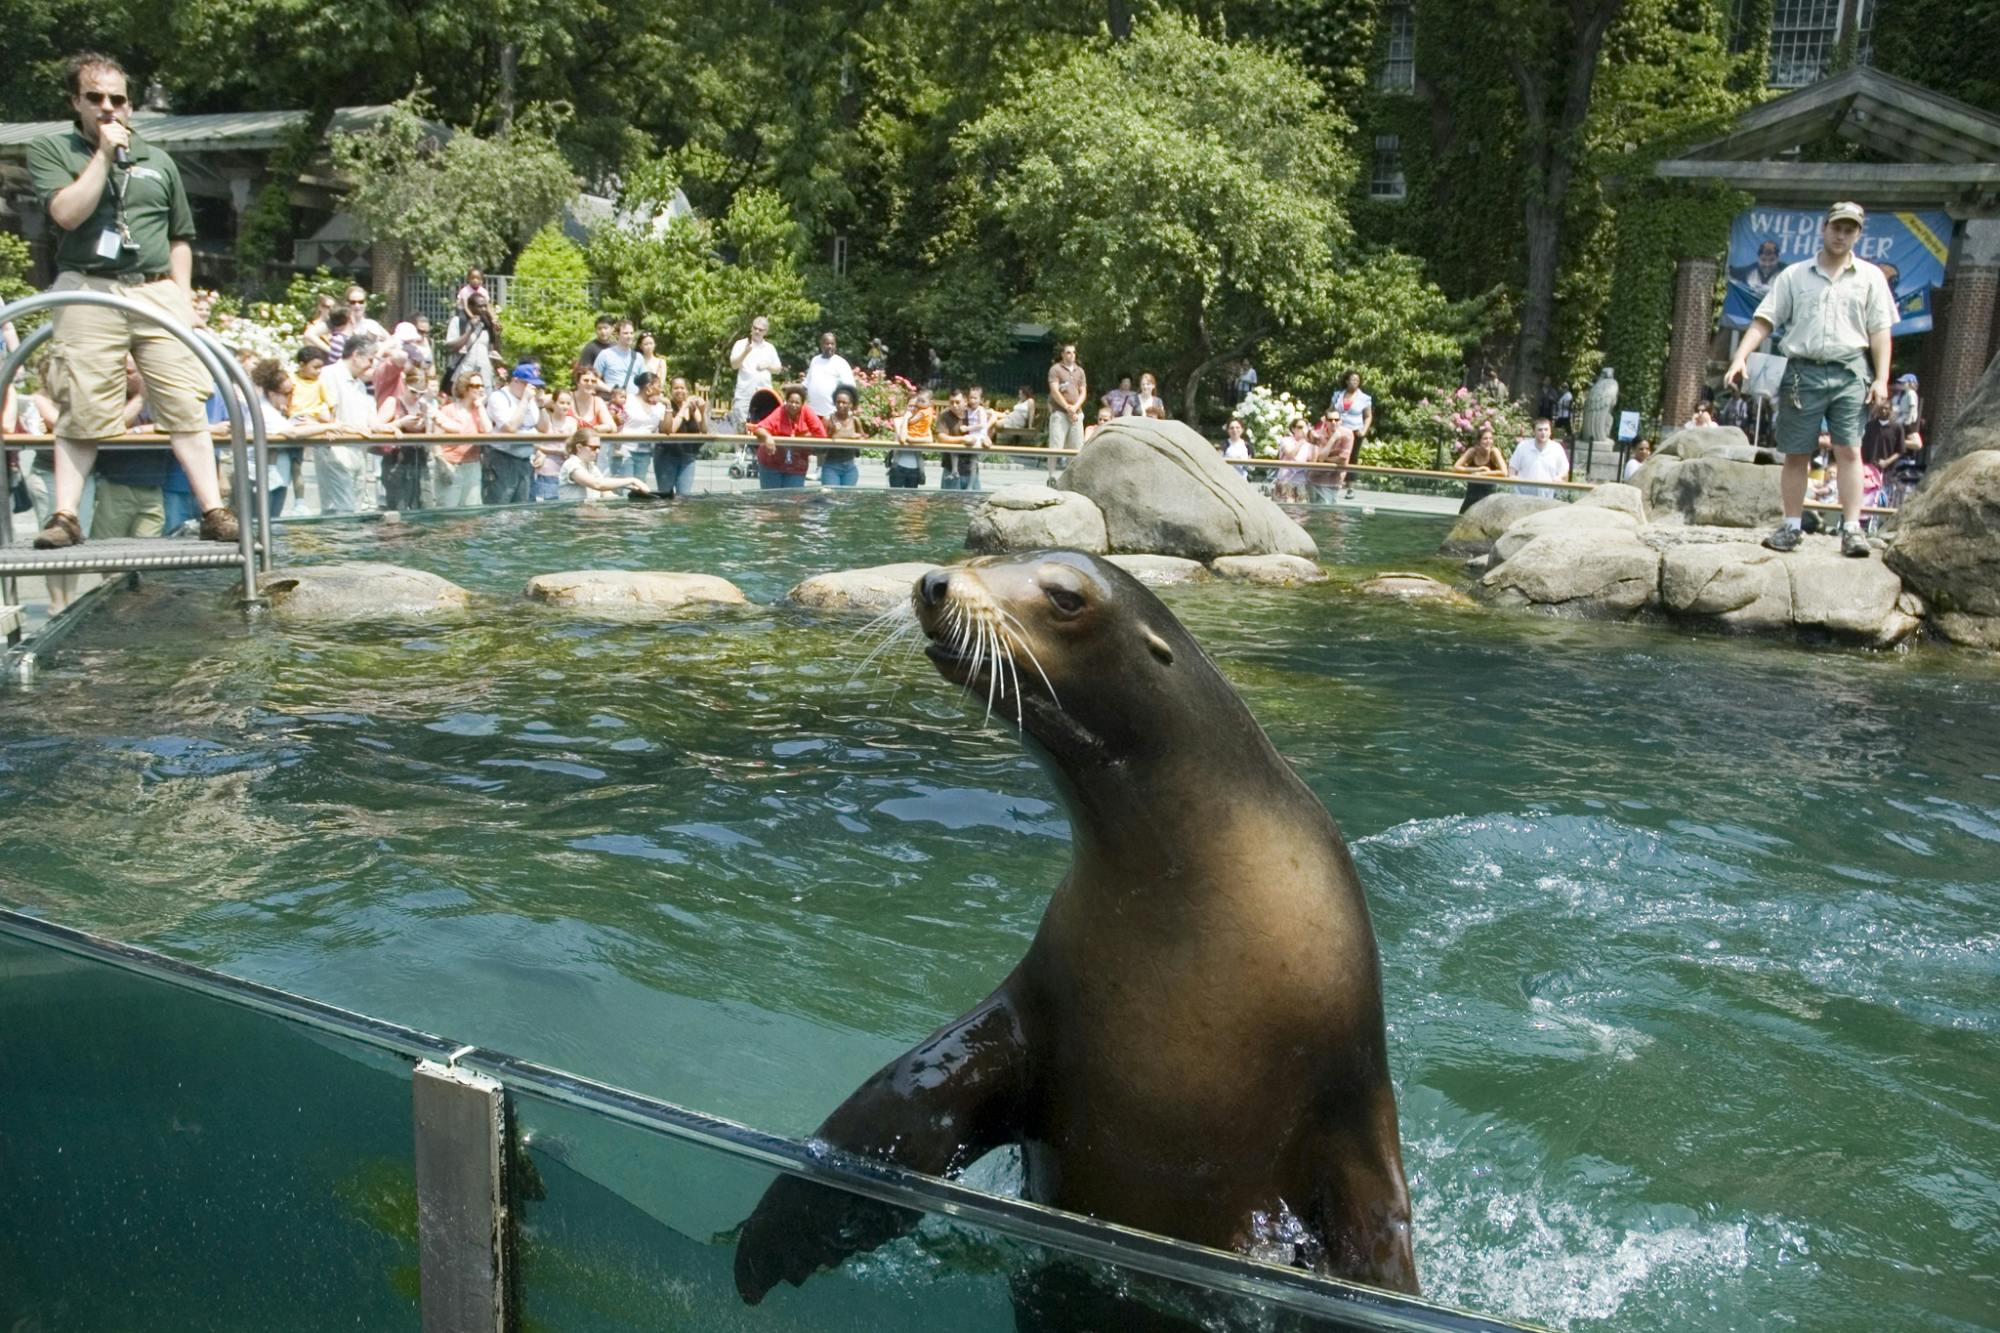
x,y
549,312
451,201
15,262
303,290
1659,223
1382,317
268,226
1169,197
1946,45
673,277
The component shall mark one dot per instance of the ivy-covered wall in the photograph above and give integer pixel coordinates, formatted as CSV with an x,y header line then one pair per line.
x,y
1672,72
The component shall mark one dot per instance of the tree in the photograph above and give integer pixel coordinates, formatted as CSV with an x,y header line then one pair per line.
x,y
549,313
1170,194
1551,53
453,200
698,284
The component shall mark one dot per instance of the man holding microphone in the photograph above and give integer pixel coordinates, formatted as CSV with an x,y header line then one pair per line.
x,y
124,226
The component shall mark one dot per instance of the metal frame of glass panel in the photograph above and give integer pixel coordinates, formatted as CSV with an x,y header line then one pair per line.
x,y
1282,1289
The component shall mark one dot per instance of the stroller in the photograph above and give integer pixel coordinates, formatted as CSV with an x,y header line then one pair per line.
x,y
762,404
1898,481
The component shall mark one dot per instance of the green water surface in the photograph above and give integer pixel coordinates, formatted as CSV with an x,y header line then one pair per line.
x,y
1690,944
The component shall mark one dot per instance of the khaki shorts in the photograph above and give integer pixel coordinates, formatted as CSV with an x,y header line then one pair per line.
x,y
127,511
86,368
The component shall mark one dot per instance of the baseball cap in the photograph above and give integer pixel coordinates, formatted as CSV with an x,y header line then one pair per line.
x,y
1907,379
527,373
1847,211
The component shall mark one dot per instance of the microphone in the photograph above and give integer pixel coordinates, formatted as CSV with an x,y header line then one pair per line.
x,y
122,158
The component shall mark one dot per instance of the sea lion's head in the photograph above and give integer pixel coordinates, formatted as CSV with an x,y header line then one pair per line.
x,y
1070,646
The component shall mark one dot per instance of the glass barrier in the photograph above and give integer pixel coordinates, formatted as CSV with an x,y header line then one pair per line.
x,y
180,1149
623,1229
170,1160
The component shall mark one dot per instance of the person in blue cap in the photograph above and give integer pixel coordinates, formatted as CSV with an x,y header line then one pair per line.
x,y
1906,410
518,415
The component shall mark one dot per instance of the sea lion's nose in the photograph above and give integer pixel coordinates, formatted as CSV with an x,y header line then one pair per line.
x,y
931,587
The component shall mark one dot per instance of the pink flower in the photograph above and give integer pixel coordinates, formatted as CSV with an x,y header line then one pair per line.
x,y
1462,391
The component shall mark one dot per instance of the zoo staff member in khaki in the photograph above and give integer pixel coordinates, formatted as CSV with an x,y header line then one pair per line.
x,y
125,229
1836,311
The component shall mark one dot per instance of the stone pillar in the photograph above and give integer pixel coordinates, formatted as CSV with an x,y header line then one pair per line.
x,y
1974,282
1687,353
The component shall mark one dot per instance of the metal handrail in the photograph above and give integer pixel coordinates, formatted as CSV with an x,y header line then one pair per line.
x,y
217,367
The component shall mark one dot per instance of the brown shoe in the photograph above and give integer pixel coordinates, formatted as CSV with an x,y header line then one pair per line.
x,y
63,530
219,525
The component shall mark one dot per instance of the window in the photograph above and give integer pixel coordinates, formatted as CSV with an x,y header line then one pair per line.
x,y
1399,70
1386,180
840,256
1804,34
1864,32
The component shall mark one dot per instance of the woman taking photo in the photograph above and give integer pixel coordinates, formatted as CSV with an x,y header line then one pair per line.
x,y
1481,459
411,410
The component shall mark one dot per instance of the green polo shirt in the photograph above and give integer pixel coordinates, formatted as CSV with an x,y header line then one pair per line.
x,y
156,204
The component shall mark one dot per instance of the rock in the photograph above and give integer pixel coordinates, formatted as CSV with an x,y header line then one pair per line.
x,y
1480,526
1278,571
1946,546
1615,495
1738,585
1029,518
1563,518
1692,442
1854,599
360,590
1165,490
1716,491
1588,572
878,588
634,593
1159,571
1412,588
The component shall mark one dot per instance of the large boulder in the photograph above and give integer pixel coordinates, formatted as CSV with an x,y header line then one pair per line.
x,y
1035,517
1714,491
1407,587
1947,547
1850,599
1692,442
1737,585
1277,571
1563,518
1164,490
1615,495
634,593
1480,526
1159,571
360,590
878,588
1600,573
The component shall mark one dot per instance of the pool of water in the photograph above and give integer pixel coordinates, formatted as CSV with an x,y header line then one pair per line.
x,y
1690,944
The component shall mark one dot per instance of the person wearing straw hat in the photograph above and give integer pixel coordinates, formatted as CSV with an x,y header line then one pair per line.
x,y
1836,312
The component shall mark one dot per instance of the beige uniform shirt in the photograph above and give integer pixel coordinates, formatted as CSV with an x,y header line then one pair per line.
x,y
1828,319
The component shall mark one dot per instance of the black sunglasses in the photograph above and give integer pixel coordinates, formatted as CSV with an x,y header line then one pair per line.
x,y
96,98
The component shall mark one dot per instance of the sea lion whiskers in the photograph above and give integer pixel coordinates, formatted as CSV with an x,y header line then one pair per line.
x,y
888,630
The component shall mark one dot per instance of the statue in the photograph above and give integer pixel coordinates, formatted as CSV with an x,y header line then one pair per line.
x,y
1600,408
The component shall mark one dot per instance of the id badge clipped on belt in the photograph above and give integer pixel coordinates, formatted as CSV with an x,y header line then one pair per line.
x,y
109,243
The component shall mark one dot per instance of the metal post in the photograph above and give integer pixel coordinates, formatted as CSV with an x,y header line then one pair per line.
x,y
461,1151
10,587
203,353
260,506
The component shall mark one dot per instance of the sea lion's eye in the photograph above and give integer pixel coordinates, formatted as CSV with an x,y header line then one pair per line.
x,y
1064,601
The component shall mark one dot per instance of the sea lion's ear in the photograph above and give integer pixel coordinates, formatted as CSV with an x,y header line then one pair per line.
x,y
1158,647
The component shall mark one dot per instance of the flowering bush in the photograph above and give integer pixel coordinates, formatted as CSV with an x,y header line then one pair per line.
x,y
264,328
881,399
1450,420
1267,419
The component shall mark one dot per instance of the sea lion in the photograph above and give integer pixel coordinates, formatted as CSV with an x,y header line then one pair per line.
x,y
1193,1044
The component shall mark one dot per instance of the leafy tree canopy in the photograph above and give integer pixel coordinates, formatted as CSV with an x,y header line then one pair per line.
x,y
452,201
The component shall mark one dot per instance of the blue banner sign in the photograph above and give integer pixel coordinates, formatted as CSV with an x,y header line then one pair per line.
x,y
1910,248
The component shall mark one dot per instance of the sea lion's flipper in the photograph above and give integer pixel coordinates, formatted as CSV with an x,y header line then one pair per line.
x,y
936,1108
1361,1203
